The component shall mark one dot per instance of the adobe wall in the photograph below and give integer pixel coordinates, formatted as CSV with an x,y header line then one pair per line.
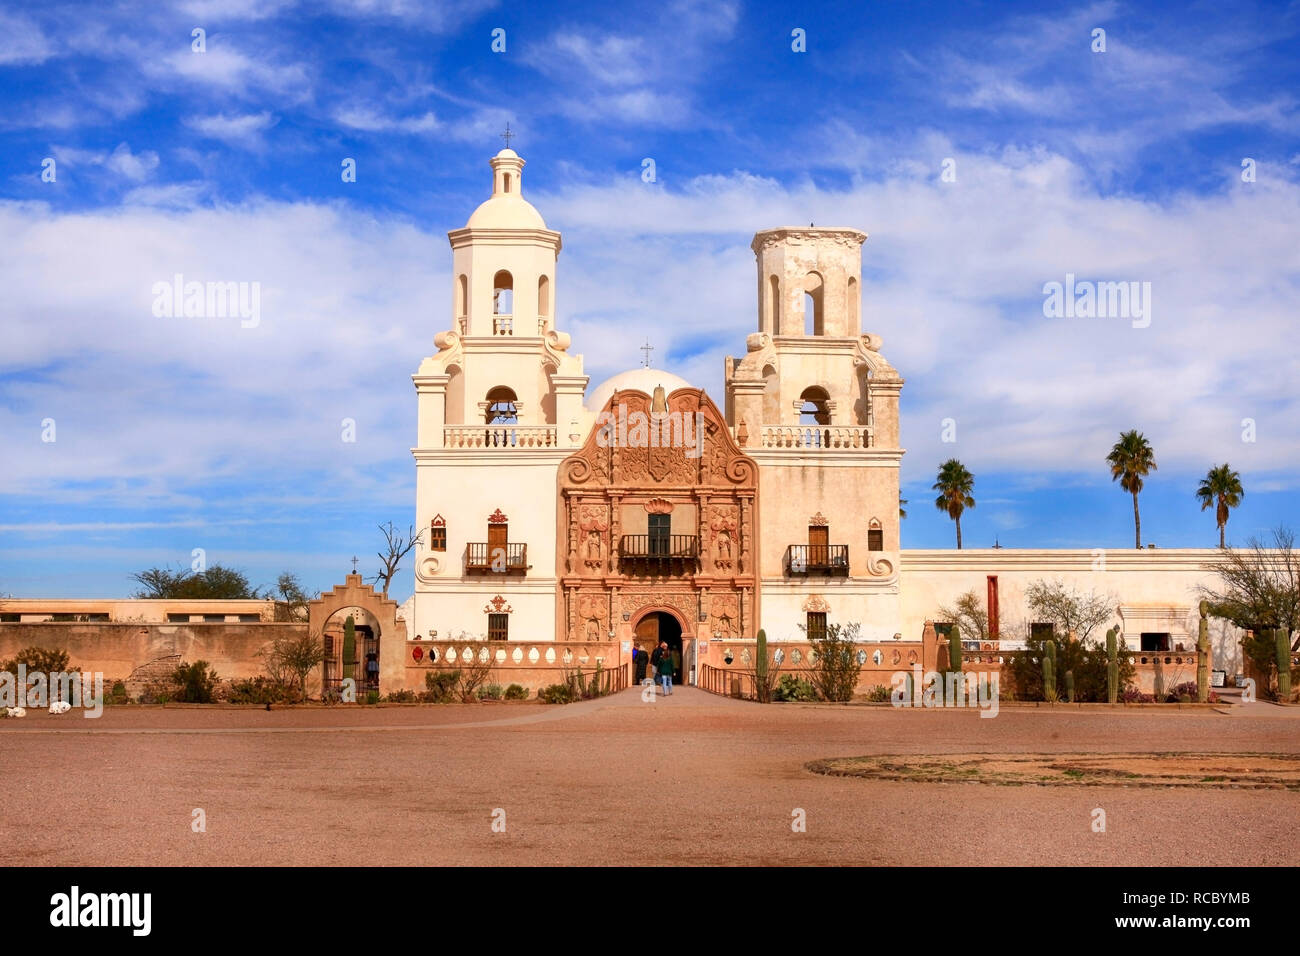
x,y
115,650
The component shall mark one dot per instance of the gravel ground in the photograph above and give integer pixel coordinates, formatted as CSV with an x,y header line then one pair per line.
x,y
694,779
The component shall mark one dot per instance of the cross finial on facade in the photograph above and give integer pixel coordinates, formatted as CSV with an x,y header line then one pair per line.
x,y
507,135
647,349
354,563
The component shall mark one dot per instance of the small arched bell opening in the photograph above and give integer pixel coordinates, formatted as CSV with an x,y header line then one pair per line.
x,y
813,317
814,408
502,406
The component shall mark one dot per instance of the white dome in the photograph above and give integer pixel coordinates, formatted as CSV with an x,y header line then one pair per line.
x,y
506,211
642,379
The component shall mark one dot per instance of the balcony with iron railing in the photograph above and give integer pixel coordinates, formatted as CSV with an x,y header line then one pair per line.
x,y
832,559
480,557
645,551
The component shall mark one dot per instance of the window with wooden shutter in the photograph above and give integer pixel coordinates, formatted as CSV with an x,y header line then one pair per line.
x,y
498,627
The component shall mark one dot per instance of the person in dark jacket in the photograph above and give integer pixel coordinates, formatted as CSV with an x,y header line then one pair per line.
x,y
639,661
665,668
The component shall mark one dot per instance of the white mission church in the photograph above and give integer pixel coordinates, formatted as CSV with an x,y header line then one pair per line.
x,y
774,507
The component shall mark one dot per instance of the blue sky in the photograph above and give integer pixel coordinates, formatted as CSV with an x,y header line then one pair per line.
x,y
175,434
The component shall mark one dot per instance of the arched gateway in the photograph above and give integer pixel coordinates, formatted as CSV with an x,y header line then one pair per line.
x,y
377,634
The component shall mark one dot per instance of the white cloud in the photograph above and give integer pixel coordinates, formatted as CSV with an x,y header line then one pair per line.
x,y
133,167
369,121
239,130
22,43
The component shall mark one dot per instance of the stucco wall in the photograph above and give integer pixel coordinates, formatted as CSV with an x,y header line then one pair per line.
x,y
115,650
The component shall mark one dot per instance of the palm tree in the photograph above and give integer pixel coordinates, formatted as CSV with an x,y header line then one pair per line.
x,y
902,512
1130,461
954,485
1221,486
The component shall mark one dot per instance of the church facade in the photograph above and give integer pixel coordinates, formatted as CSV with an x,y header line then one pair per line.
x,y
641,509
551,513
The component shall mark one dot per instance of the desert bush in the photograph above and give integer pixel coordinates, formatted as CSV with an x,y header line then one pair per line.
x,y
474,673
372,697
491,692
557,694
261,690
402,696
45,660
790,687
836,668
440,686
879,694
516,692
195,683
1185,693
290,659
1131,695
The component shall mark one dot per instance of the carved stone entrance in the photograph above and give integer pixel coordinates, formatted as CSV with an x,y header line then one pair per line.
x,y
658,525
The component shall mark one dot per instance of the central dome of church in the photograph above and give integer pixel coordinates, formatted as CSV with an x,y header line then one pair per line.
x,y
641,379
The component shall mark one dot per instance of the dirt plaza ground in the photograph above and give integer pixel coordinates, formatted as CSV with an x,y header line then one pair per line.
x,y
691,779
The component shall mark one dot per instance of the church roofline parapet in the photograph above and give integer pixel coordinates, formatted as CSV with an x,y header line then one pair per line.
x,y
843,234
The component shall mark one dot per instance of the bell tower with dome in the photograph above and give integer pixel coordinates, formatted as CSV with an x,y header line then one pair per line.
x,y
499,406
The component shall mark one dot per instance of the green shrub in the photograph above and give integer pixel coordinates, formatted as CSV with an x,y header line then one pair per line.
x,y
39,659
118,694
195,683
402,696
879,694
261,690
557,694
790,687
372,697
491,692
836,668
516,692
441,687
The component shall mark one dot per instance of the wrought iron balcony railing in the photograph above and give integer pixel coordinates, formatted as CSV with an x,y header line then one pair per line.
x,y
653,548
817,559
499,559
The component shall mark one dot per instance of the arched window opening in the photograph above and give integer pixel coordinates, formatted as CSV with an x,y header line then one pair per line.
x,y
462,295
813,319
503,302
543,296
503,290
502,406
813,409
507,182
771,396
774,305
854,304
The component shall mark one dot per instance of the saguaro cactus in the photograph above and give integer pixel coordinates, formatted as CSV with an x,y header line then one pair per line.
x,y
954,649
1112,664
1049,671
760,666
1069,686
1283,640
349,647
1203,655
